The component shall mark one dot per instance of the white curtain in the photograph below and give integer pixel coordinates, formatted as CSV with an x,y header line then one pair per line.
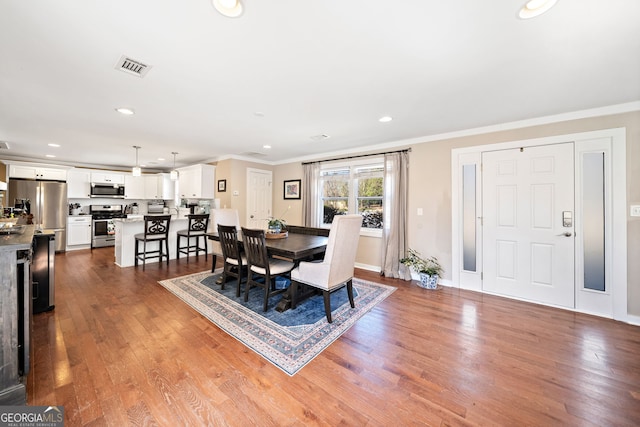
x,y
394,232
310,216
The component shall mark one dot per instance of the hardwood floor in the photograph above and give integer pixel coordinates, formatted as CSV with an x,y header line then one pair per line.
x,y
121,350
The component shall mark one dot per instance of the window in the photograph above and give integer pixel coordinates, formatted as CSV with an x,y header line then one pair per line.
x,y
353,189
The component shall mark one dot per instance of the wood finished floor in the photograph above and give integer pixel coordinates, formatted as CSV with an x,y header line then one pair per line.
x,y
121,350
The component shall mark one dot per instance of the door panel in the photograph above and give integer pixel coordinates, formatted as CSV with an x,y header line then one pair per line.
x,y
259,198
525,250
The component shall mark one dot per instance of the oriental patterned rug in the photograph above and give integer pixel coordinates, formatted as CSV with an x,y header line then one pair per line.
x,y
290,339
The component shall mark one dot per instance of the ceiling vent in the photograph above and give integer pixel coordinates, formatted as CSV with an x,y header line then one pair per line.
x,y
320,137
253,154
131,66
4,145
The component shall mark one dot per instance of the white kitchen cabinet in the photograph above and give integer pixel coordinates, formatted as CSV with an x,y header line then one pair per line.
x,y
151,187
78,184
37,172
159,187
197,182
134,187
107,178
79,230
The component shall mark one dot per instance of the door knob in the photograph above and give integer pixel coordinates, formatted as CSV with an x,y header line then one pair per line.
x,y
566,234
251,216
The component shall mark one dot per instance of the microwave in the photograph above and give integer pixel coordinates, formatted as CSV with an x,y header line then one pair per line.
x,y
107,190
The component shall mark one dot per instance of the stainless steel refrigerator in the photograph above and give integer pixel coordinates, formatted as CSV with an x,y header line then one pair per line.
x,y
47,201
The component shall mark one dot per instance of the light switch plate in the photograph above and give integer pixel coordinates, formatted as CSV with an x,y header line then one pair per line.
x,y
420,212
236,193
635,210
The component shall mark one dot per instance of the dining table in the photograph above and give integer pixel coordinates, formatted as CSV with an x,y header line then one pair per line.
x,y
295,247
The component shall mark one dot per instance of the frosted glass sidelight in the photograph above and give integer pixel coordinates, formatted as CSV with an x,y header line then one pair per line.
x,y
469,217
593,215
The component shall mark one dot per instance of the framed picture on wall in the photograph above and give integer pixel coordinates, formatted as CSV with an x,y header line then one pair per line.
x,y
222,185
292,189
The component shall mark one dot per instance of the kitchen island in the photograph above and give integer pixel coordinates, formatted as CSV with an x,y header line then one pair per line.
x,y
15,312
127,228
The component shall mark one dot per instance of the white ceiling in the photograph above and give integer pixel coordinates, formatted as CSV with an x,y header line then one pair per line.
x,y
308,67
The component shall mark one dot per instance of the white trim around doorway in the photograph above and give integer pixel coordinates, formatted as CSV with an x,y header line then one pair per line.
x,y
618,258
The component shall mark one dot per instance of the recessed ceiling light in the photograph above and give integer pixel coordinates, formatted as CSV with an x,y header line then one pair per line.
x,y
53,145
125,111
385,119
266,147
49,155
258,114
162,159
535,8
229,8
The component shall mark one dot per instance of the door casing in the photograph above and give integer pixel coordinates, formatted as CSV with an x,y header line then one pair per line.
x,y
616,261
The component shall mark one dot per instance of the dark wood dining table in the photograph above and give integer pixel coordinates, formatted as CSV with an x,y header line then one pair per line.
x,y
295,247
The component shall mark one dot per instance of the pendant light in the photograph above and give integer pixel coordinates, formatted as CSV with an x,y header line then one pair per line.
x,y
174,173
136,171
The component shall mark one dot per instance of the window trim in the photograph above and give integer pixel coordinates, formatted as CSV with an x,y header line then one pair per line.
x,y
353,199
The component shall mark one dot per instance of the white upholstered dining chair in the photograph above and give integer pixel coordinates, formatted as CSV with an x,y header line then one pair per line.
x,y
224,217
336,269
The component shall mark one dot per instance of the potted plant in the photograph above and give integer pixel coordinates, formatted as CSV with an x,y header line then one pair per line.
x,y
429,269
276,225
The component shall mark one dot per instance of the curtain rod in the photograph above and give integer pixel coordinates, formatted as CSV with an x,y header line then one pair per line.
x,y
406,150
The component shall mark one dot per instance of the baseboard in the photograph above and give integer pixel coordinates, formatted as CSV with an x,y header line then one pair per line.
x,y
368,267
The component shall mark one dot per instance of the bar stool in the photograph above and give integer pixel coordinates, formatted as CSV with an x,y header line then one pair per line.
x,y
156,229
198,224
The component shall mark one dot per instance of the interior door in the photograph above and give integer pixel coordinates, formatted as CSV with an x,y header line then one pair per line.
x,y
528,213
259,197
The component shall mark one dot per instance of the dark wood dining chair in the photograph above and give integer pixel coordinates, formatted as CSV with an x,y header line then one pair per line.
x,y
335,271
156,230
234,260
261,266
198,224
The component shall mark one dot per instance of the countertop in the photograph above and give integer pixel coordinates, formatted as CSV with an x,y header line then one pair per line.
x,y
140,218
17,241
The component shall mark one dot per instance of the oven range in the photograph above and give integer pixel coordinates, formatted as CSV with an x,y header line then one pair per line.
x,y
104,230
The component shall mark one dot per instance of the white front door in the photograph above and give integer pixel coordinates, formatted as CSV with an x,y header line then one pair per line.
x,y
528,219
259,197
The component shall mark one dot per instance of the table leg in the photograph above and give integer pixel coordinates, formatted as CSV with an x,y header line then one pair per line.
x,y
304,292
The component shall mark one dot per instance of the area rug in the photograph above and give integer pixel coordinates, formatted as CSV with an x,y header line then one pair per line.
x,y
290,339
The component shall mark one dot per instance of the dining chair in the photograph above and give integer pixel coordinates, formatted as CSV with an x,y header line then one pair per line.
x,y
335,270
224,217
262,270
197,226
156,230
234,260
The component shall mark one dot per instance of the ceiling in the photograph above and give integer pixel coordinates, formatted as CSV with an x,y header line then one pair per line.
x,y
287,71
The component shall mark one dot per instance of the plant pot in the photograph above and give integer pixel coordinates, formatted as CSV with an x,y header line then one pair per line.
x,y
428,282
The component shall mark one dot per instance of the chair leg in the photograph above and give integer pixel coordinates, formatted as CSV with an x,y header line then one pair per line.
x,y
144,258
239,282
248,287
213,263
177,246
166,245
350,293
224,275
135,261
267,286
204,239
327,305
